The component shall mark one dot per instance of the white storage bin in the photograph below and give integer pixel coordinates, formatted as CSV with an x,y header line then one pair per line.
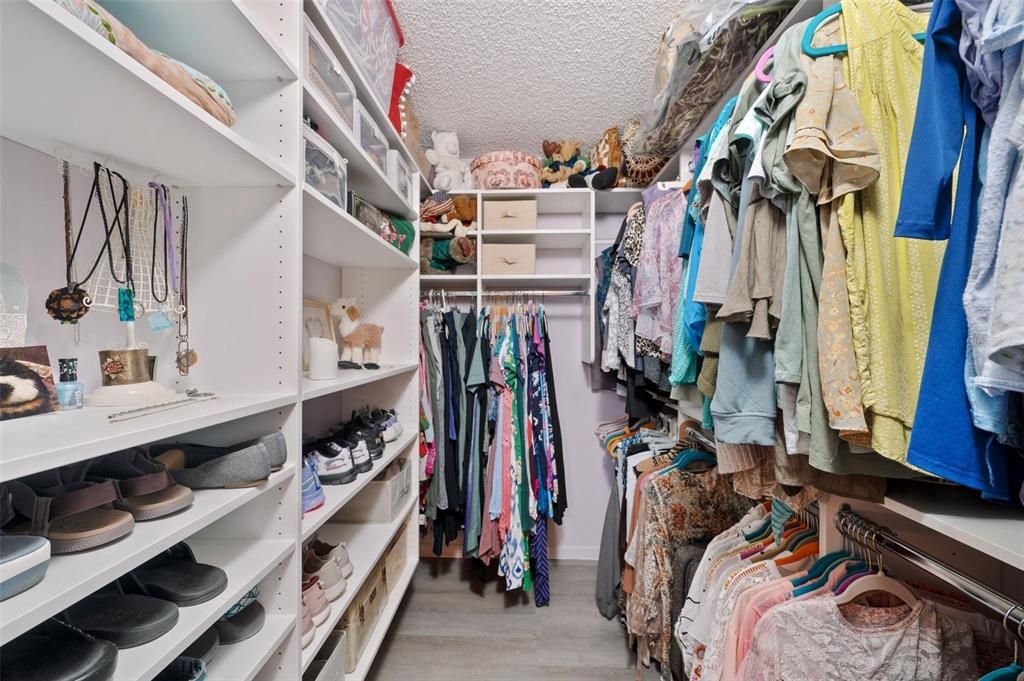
x,y
371,139
325,168
327,77
372,35
381,500
399,175
329,663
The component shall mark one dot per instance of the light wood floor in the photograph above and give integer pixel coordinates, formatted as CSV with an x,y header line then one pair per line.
x,y
454,628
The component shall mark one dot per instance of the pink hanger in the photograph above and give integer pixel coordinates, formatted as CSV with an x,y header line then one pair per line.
x,y
759,68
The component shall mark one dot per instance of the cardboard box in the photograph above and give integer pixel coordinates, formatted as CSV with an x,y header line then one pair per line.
x,y
509,258
510,214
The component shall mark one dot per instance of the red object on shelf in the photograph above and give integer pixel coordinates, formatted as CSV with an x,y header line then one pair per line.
x,y
403,79
398,25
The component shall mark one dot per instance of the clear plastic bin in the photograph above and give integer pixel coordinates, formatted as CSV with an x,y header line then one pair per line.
x,y
399,175
371,139
327,77
372,34
325,168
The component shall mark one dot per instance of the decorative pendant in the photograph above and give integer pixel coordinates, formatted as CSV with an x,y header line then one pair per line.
x,y
186,358
68,304
159,321
125,305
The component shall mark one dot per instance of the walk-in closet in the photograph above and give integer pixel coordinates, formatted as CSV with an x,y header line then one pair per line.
x,y
373,340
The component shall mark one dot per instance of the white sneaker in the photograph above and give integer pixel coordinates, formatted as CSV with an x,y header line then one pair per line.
x,y
360,456
334,464
330,573
321,551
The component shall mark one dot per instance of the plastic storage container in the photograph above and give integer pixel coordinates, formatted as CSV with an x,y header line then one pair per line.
x,y
395,559
371,139
382,499
327,77
325,168
399,175
372,35
329,663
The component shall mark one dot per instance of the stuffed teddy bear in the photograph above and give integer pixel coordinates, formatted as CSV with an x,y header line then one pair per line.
x,y
562,161
442,256
450,171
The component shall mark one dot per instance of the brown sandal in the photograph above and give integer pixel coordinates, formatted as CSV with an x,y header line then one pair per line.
x,y
145,487
73,514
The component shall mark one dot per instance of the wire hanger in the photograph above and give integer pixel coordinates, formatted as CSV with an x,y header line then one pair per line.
x,y
823,16
1013,671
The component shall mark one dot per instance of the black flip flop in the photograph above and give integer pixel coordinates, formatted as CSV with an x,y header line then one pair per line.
x,y
175,576
126,620
53,651
245,624
205,647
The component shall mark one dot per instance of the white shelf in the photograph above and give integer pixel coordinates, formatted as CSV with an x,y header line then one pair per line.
x,y
451,281
246,562
332,235
383,625
101,102
365,178
242,661
366,544
353,378
617,200
367,97
544,238
579,282
997,531
339,495
551,200
208,36
71,577
39,443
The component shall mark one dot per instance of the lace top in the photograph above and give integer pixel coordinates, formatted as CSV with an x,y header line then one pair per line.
x,y
811,640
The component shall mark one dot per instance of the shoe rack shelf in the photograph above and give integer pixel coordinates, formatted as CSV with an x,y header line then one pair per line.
x,y
366,544
72,577
336,496
260,241
353,378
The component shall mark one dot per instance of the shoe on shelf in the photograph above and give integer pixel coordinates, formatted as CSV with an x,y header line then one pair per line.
x,y
202,467
183,669
23,563
334,464
127,620
176,576
329,572
243,620
205,647
385,421
315,599
308,626
145,487
323,551
54,650
312,493
364,435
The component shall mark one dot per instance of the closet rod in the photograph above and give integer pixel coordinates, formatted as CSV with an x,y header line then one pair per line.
x,y
506,294
866,533
698,436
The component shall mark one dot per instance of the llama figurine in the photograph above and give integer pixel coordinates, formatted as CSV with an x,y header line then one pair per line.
x,y
360,342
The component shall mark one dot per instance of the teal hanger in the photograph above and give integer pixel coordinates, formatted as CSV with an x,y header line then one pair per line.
x,y
821,18
822,566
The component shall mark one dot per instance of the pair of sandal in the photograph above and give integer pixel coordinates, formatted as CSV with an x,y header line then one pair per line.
x,y
92,503
82,643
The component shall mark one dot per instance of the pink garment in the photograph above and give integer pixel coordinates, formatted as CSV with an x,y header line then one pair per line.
x,y
743,621
660,273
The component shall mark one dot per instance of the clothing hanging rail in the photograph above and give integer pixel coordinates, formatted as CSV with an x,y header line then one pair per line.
x,y
697,436
505,294
866,533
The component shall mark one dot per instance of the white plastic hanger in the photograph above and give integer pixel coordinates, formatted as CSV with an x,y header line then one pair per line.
x,y
876,582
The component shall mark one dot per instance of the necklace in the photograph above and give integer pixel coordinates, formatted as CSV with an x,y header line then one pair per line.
x,y
186,356
159,200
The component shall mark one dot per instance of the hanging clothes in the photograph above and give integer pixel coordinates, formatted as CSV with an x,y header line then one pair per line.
x,y
488,403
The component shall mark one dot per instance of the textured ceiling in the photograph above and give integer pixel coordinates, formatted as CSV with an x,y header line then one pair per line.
x,y
506,74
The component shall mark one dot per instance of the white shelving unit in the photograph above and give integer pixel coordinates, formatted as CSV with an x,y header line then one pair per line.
x,y
260,241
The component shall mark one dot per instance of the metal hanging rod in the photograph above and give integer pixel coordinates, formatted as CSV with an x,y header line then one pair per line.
x,y
698,436
866,533
506,294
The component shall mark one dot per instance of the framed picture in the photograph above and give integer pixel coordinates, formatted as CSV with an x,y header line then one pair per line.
x,y
316,323
26,382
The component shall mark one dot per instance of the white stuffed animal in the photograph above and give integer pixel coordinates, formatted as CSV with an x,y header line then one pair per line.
x,y
450,171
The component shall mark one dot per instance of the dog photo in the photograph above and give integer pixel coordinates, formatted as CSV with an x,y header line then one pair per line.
x,y
26,382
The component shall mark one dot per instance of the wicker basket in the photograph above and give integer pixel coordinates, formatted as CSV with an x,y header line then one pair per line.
x,y
506,170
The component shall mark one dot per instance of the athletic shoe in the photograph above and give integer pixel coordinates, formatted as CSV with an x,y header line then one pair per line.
x,y
367,436
308,627
386,420
315,599
312,493
334,464
329,573
321,552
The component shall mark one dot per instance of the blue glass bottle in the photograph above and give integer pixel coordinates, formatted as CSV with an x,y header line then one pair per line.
x,y
69,391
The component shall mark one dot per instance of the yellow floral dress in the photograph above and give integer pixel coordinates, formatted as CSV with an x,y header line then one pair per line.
x,y
891,281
